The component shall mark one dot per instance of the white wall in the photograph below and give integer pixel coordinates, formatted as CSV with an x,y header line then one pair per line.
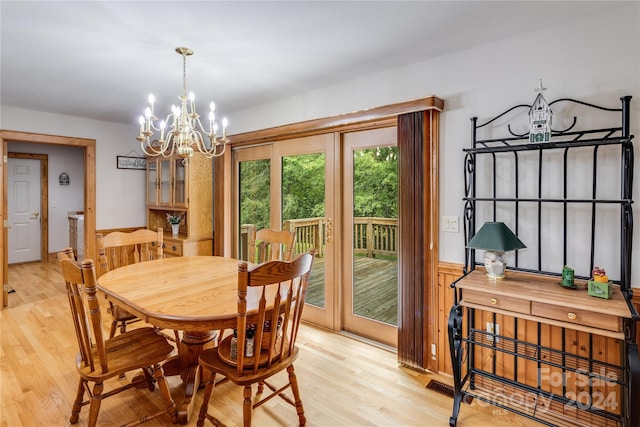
x,y
120,193
595,59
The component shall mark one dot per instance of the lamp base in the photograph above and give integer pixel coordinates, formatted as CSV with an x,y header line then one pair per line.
x,y
495,264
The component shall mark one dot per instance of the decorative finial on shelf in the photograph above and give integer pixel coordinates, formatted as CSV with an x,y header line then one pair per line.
x,y
540,118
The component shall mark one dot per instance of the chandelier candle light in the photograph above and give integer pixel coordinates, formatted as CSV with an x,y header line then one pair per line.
x,y
186,132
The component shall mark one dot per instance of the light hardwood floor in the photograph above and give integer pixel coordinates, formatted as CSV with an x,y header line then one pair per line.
x,y
343,382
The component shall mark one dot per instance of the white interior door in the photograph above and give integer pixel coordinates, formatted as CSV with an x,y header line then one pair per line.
x,y
24,217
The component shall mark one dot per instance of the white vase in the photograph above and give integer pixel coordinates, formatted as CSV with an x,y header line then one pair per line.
x,y
175,229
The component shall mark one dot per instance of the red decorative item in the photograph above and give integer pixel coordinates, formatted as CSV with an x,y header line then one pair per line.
x,y
599,275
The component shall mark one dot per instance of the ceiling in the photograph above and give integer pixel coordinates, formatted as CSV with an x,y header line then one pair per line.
x,y
101,59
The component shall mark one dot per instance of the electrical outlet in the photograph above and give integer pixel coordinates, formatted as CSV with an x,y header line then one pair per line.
x,y
493,329
450,224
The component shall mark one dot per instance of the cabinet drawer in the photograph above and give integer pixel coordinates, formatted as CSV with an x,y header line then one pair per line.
x,y
496,301
172,249
576,316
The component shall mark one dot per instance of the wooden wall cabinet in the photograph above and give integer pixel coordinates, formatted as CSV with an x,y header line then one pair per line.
x,y
167,182
175,185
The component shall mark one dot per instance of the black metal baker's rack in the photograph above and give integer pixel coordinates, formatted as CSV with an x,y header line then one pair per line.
x,y
463,346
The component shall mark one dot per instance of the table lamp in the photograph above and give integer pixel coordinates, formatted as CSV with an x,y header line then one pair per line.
x,y
495,238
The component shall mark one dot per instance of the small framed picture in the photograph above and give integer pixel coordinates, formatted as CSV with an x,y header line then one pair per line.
x,y
125,162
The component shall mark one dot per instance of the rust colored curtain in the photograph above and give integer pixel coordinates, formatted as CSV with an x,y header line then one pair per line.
x,y
417,149
410,256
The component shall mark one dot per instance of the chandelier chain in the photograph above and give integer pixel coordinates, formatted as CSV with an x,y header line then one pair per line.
x,y
184,74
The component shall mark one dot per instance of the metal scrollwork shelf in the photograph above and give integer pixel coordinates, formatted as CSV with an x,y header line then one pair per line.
x,y
562,358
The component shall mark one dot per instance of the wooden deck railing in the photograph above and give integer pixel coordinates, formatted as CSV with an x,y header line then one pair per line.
x,y
375,236
371,236
310,234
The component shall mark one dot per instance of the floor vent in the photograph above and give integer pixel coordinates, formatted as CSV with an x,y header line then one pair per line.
x,y
446,389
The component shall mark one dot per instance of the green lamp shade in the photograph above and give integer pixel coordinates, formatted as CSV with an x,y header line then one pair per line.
x,y
495,236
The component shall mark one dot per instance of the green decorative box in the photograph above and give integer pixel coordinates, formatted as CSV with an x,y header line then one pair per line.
x,y
600,289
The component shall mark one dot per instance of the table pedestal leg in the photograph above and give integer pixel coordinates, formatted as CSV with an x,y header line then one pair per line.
x,y
186,365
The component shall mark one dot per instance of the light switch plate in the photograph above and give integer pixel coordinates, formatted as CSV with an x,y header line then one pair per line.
x,y
450,224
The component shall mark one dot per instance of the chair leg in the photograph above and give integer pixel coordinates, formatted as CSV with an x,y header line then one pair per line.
x,y
158,374
149,374
112,331
94,407
247,406
123,327
293,380
211,383
77,404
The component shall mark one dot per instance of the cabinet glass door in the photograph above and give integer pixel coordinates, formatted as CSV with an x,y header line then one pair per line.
x,y
179,182
152,182
165,181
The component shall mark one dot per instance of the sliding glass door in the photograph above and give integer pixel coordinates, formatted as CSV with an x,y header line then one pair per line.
x,y
289,185
370,241
301,185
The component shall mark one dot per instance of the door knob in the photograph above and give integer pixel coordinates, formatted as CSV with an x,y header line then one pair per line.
x,y
36,215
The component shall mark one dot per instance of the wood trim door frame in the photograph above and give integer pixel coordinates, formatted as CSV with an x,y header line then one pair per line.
x,y
44,199
89,147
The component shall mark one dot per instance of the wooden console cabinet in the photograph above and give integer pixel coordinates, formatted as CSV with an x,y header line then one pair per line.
x,y
183,187
543,299
552,354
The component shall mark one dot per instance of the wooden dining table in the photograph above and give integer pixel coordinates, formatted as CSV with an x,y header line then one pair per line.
x,y
195,295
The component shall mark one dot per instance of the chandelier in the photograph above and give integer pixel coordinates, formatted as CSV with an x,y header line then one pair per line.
x,y
186,132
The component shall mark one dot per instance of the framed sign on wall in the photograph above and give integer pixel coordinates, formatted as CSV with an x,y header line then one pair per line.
x,y
126,162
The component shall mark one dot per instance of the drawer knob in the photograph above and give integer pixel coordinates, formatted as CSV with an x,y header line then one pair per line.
x,y
494,301
174,248
572,316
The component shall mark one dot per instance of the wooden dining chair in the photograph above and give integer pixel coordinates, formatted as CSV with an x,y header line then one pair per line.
x,y
100,360
271,245
279,289
118,249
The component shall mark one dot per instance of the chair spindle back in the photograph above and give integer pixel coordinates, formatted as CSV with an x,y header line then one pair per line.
x,y
280,288
85,308
118,249
272,245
